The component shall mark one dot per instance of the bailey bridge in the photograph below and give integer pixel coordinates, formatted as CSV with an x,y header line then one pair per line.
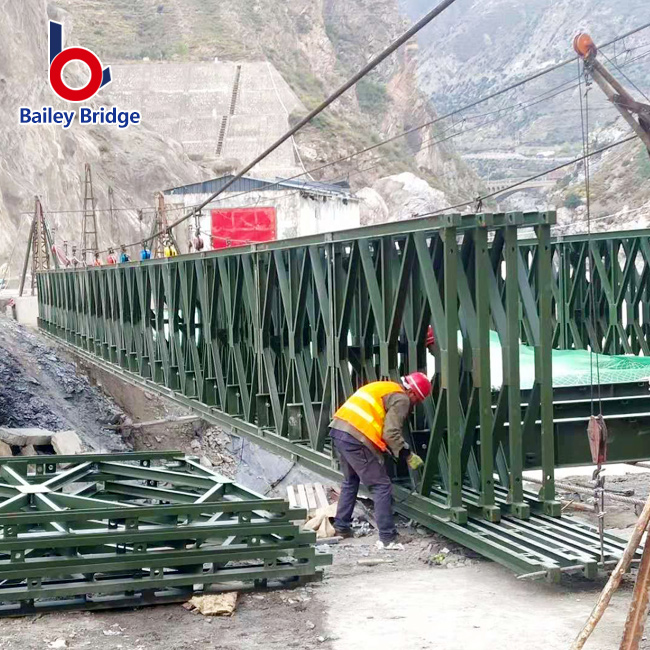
x,y
267,340
509,186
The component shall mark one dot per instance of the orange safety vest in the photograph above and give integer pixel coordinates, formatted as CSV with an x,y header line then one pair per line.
x,y
365,410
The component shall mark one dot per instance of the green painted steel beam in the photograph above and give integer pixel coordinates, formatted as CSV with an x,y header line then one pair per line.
x,y
56,544
268,340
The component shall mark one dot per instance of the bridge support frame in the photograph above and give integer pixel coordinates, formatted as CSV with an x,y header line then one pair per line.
x,y
269,339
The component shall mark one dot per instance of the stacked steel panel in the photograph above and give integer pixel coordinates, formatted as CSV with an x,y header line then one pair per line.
x,y
134,529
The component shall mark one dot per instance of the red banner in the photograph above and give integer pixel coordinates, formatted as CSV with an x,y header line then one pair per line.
x,y
241,226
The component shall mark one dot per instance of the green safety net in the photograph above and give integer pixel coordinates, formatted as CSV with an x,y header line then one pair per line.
x,y
572,367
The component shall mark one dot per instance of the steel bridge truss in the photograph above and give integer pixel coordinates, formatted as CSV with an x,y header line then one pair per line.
x,y
621,292
134,529
268,340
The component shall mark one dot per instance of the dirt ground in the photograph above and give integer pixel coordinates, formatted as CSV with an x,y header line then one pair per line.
x,y
433,594
408,604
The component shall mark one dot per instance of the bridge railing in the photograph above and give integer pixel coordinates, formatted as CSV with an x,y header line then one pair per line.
x,y
607,308
278,335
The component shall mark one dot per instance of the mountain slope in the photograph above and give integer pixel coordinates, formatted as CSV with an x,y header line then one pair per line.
x,y
479,46
315,45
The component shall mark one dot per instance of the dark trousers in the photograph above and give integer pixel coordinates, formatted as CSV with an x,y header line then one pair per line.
x,y
360,465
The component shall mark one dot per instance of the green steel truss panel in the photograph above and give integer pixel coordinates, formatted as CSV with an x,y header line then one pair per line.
x,y
616,292
270,339
122,530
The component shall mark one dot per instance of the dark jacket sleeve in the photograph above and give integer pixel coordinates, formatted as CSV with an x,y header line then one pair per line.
x,y
397,407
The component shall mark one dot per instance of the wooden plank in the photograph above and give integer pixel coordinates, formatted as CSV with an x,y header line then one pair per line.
x,y
311,497
321,495
291,495
302,497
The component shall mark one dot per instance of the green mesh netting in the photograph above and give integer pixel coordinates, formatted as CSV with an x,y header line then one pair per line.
x,y
572,367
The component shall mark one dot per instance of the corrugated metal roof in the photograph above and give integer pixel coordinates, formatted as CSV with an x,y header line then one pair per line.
x,y
249,183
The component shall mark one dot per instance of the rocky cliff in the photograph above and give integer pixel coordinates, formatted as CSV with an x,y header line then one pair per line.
x,y
479,46
315,45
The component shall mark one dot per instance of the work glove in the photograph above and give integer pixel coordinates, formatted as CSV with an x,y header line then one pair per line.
x,y
414,462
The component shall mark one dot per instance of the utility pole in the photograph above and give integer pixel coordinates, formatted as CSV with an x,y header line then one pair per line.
x,y
161,225
89,236
39,247
111,214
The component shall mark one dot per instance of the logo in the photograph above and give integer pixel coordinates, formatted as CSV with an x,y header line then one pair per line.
x,y
99,77
59,58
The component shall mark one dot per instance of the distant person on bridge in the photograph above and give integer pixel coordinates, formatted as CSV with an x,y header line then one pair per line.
x,y
367,425
145,253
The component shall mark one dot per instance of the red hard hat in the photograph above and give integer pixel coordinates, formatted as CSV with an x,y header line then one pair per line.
x,y
431,339
419,383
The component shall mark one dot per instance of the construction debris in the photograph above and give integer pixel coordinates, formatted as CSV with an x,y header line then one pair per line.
x,y
26,440
320,522
66,443
25,436
320,513
374,561
213,604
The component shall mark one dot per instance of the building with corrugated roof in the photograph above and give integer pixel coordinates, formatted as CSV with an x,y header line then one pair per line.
x,y
254,209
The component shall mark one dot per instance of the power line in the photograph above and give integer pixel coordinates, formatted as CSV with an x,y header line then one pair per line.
x,y
371,65
379,144
529,179
382,56
408,131
409,34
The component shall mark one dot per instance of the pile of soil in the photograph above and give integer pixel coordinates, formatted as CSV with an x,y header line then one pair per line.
x,y
41,389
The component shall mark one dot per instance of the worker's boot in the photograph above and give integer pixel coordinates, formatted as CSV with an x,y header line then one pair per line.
x,y
345,533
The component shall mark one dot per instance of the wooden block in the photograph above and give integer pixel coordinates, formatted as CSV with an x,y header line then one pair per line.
x,y
321,495
311,497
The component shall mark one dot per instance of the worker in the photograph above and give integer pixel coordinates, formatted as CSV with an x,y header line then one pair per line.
x,y
97,261
111,259
431,340
170,250
367,425
75,260
124,256
145,253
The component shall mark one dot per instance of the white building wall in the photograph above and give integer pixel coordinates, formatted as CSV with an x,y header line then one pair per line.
x,y
298,215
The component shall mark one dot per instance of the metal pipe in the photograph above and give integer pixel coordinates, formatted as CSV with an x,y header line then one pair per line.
x,y
572,487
